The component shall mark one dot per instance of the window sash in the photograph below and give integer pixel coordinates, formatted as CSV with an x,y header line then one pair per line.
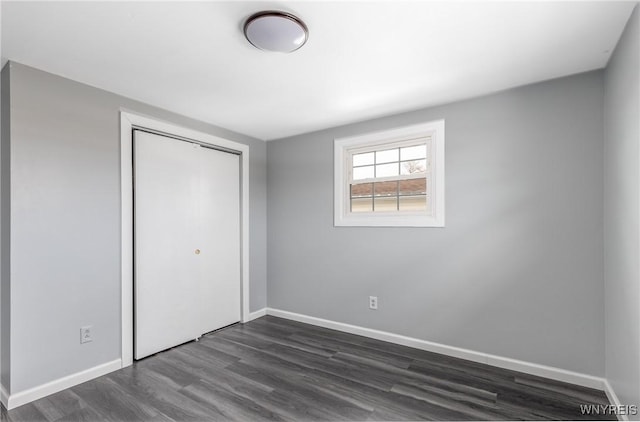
x,y
391,144
423,140
425,175
421,175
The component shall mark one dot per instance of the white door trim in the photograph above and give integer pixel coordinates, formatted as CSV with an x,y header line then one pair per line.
x,y
128,122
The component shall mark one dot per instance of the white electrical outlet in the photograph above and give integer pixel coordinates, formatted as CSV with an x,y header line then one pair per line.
x,y
85,334
373,302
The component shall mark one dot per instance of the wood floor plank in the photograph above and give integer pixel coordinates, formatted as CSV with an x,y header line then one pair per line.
x,y
340,345
105,396
347,370
296,387
293,410
149,388
60,405
85,414
275,337
227,405
472,409
224,378
581,394
199,350
27,412
368,396
509,392
273,369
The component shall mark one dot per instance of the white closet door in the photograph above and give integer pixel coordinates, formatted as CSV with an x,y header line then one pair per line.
x,y
166,267
184,218
219,236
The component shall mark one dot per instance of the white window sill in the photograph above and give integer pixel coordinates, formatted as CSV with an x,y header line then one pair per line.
x,y
386,220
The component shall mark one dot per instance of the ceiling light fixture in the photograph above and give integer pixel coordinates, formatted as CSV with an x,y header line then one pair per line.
x,y
276,31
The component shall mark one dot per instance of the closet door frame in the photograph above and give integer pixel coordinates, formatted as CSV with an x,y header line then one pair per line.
x,y
128,122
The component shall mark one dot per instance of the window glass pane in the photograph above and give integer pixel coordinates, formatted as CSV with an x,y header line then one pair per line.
x,y
382,204
361,189
362,205
413,203
415,166
386,170
360,173
387,156
386,188
413,153
363,159
413,186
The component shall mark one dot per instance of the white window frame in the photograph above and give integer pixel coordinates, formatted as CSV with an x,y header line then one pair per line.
x,y
344,149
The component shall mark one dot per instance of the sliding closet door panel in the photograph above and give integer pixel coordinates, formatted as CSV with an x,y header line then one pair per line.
x,y
220,238
167,214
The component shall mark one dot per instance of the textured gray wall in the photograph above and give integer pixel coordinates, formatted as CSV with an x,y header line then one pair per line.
x,y
65,245
516,272
622,215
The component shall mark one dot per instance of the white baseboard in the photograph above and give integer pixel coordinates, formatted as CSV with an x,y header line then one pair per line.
x,y
613,399
35,393
257,314
493,360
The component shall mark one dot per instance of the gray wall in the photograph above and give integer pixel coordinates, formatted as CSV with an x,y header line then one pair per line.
x,y
516,272
622,215
5,224
65,228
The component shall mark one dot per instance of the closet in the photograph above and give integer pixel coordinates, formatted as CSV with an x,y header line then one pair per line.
x,y
186,241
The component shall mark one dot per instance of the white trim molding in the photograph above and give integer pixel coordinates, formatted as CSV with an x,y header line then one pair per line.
x,y
128,122
18,399
493,360
257,314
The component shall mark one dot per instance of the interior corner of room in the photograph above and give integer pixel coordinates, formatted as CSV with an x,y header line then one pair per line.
x,y
106,193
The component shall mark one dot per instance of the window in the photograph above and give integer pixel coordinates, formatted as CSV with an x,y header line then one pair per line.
x,y
391,178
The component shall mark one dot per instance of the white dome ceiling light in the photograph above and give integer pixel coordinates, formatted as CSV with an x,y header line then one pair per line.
x,y
276,31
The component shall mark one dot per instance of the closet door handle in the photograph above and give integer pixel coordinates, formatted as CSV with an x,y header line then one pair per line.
x,y
197,251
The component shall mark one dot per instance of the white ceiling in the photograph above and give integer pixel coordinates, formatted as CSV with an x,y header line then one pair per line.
x,y
363,59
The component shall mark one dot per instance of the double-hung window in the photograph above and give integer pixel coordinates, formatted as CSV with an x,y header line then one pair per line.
x,y
391,178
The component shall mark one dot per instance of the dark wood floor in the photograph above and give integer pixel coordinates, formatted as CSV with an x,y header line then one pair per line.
x,y
275,369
